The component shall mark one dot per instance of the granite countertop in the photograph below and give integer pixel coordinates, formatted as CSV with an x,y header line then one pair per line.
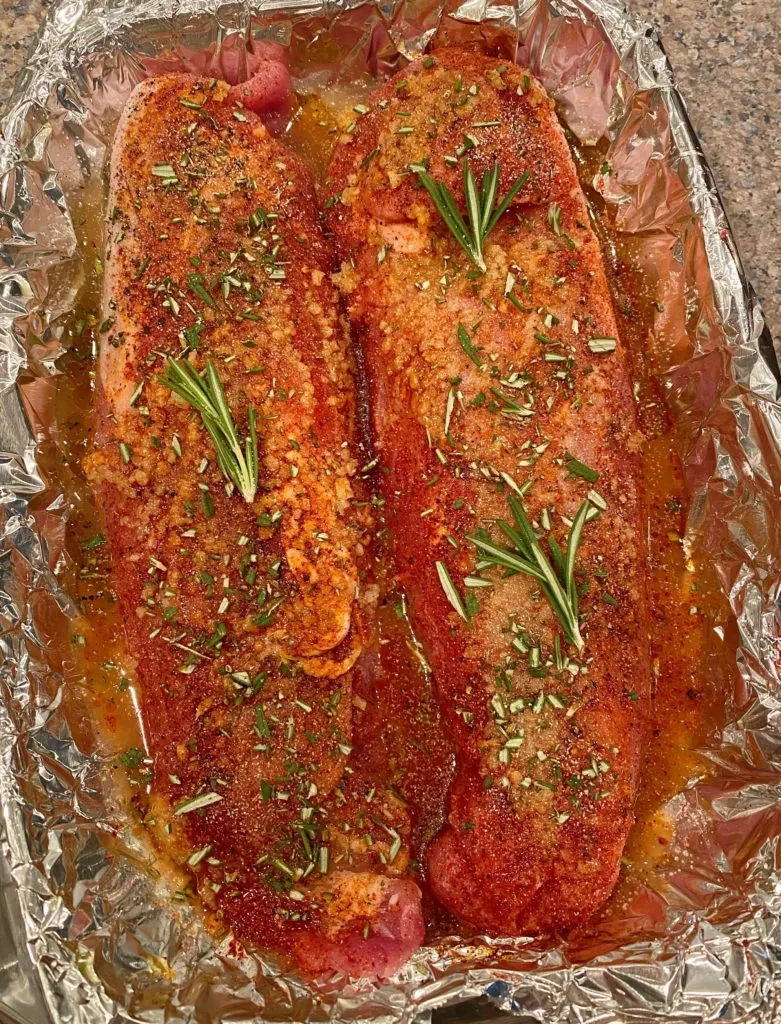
x,y
726,57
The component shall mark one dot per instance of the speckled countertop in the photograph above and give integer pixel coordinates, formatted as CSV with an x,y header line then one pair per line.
x,y
726,54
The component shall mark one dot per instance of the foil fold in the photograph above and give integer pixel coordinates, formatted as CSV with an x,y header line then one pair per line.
x,y
86,934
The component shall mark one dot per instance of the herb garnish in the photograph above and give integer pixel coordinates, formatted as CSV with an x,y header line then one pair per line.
x,y
451,592
556,574
197,286
467,345
578,468
196,803
602,345
131,758
207,395
482,213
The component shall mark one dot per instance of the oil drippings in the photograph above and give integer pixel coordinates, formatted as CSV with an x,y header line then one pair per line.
x,y
692,647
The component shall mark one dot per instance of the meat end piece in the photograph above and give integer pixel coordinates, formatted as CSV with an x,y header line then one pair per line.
x,y
259,77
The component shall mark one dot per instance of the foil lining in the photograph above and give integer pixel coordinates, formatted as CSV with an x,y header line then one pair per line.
x,y
86,937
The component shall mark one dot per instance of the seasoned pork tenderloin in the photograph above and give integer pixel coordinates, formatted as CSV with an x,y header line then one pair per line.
x,y
243,613
500,393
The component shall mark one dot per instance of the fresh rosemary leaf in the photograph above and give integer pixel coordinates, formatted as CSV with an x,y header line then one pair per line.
x,y
205,393
573,542
557,555
195,803
451,592
554,213
488,196
503,207
496,555
475,213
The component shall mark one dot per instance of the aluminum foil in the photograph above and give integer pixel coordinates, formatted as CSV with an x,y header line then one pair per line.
x,y
87,936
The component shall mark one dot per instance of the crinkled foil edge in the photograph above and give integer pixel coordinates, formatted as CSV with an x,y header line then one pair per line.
x,y
707,967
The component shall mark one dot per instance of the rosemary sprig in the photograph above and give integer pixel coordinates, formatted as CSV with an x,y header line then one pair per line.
x,y
556,574
205,393
481,209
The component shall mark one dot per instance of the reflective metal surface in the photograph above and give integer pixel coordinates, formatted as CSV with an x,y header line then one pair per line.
x,y
87,935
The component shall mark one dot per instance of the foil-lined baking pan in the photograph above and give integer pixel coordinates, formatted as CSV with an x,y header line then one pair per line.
x,y
87,935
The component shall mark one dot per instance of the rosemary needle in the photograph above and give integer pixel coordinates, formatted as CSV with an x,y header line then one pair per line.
x,y
482,211
451,591
206,394
556,574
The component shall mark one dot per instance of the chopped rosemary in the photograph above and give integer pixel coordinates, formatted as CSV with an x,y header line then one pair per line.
x,y
131,758
195,859
197,286
195,803
602,345
578,468
207,395
554,214
467,345
164,171
483,213
556,573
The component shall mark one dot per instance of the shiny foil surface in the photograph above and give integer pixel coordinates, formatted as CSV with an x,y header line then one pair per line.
x,y
87,934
